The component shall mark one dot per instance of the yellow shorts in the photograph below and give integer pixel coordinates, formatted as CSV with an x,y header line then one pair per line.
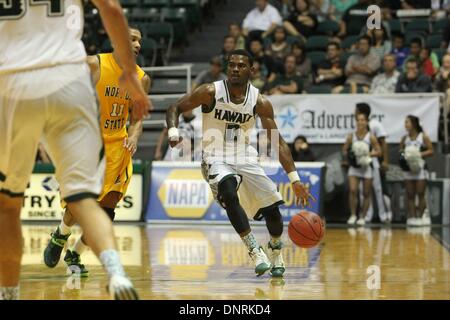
x,y
119,169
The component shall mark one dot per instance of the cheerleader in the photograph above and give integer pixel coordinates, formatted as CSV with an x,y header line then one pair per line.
x,y
359,148
414,148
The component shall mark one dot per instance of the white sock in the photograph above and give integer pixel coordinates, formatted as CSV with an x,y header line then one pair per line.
x,y
64,229
250,241
275,242
80,246
9,293
111,262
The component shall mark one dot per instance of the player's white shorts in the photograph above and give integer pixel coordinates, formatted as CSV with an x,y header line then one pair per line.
x,y
364,173
256,191
59,105
423,174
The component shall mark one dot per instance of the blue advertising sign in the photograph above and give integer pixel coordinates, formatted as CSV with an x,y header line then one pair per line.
x,y
179,192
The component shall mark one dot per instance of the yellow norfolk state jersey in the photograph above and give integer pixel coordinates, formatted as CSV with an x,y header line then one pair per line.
x,y
114,101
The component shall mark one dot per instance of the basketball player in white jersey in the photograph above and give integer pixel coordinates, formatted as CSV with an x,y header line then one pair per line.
x,y
383,201
229,163
46,91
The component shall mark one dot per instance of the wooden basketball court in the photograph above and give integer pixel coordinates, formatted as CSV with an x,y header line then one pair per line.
x,y
210,262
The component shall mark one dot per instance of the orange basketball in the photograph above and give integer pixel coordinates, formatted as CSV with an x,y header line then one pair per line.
x,y
306,229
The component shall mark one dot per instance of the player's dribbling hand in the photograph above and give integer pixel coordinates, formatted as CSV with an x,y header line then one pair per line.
x,y
141,104
302,194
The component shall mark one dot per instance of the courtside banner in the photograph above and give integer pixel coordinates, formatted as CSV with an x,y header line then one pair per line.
x,y
330,118
178,191
42,201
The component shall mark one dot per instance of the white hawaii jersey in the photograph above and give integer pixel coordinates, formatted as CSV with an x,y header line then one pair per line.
x,y
227,126
40,33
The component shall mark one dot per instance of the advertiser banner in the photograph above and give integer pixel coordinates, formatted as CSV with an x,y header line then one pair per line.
x,y
42,201
330,118
179,192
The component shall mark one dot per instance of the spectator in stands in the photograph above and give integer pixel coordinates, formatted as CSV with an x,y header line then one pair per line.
x,y
279,48
234,30
412,80
229,44
385,82
214,73
441,83
261,21
400,51
304,65
428,67
338,8
301,22
320,8
289,82
416,49
301,150
361,66
256,78
354,19
268,68
331,70
381,45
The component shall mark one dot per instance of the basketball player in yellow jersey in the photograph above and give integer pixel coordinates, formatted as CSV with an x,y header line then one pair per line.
x,y
120,145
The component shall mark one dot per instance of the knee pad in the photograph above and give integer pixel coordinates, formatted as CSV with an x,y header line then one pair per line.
x,y
110,212
227,193
274,221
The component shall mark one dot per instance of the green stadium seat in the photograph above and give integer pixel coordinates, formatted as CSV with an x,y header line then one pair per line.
x,y
319,89
349,41
434,41
156,3
149,50
193,11
316,43
396,26
163,34
316,57
130,3
328,27
418,25
440,25
355,27
178,18
144,15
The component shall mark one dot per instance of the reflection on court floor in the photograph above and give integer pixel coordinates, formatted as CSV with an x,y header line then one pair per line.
x,y
210,262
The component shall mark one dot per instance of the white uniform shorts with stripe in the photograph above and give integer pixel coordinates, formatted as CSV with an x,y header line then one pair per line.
x,y
59,105
364,173
421,175
256,191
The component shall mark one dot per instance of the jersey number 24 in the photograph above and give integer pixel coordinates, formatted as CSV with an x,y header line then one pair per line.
x,y
15,9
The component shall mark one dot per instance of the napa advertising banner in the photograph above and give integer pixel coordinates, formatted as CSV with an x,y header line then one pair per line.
x,y
178,191
329,118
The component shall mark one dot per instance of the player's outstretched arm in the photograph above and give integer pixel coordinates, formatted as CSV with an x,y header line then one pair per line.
x,y
202,96
117,28
264,110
